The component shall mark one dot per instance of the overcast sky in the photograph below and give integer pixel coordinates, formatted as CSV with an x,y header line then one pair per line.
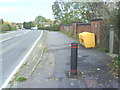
x,y
25,10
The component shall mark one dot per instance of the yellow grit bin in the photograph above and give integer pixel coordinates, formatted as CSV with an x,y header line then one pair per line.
x,y
87,39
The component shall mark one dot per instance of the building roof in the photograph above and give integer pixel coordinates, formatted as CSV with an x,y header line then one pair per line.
x,y
77,22
66,24
83,24
98,19
46,23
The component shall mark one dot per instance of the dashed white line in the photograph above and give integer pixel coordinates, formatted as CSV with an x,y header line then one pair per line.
x,y
25,32
6,39
11,37
19,65
18,34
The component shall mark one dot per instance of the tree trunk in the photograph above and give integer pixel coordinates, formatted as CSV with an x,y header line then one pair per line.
x,y
119,42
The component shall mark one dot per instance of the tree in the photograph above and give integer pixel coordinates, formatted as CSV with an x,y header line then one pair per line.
x,y
6,26
24,24
119,26
19,25
28,25
13,27
1,21
32,24
40,25
67,12
49,21
40,19
6,22
115,20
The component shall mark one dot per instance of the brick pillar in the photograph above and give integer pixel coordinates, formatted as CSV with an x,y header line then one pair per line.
x,y
95,28
75,27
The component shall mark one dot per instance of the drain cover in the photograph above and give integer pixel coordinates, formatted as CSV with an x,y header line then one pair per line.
x,y
91,83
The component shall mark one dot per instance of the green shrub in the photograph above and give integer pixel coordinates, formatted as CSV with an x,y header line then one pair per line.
x,y
114,66
55,27
52,28
21,79
0,28
13,27
104,49
6,27
44,28
76,38
117,60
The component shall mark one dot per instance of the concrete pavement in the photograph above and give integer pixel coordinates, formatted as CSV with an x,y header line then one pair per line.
x,y
52,70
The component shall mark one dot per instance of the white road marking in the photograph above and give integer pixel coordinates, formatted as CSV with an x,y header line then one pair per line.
x,y
25,32
11,37
19,65
40,45
5,39
18,34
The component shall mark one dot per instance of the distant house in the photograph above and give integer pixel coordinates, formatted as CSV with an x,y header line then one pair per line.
x,y
13,23
58,23
46,24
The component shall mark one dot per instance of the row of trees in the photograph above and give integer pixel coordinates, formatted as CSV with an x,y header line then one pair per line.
x,y
39,22
67,12
28,25
42,21
6,26
115,22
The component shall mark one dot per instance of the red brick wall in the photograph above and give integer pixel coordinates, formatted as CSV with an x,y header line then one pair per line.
x,y
96,28
83,28
61,27
74,28
95,25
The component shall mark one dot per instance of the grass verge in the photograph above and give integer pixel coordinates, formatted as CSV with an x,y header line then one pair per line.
x,y
103,49
73,37
15,75
3,31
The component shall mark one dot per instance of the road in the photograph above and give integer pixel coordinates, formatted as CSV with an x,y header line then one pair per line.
x,y
15,46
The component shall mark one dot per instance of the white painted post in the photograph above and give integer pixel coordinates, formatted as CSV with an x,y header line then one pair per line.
x,y
111,41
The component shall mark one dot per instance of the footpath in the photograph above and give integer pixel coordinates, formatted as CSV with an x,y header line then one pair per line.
x,y
51,70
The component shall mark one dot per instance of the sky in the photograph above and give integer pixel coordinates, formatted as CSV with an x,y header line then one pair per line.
x,y
25,10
